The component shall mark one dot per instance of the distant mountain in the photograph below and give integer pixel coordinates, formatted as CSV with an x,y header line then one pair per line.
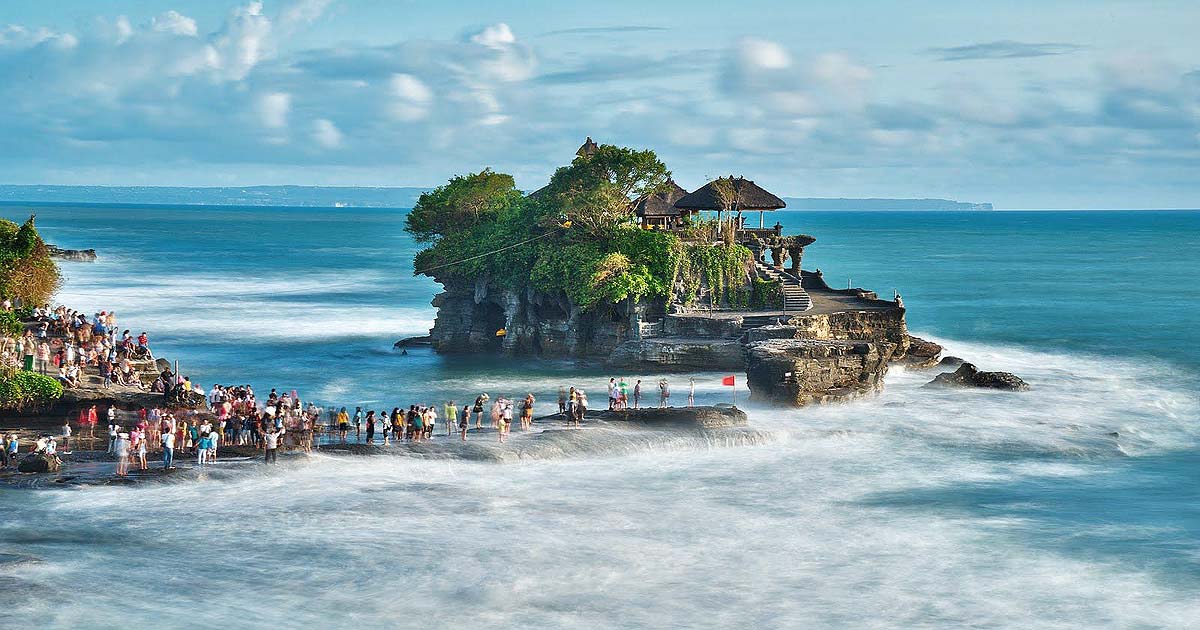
x,y
362,197
814,203
312,196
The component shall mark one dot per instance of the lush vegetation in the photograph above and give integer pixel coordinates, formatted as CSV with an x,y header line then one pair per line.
x,y
26,269
10,324
19,389
578,235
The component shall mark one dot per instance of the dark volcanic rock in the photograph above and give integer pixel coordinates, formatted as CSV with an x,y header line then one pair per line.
x,y
685,354
967,375
697,417
950,362
76,255
803,371
38,463
409,342
921,353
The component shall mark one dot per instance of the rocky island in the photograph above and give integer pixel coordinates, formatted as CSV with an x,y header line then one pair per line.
x,y
613,261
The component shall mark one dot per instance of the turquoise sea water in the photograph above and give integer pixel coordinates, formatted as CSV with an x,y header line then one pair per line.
x,y
1076,504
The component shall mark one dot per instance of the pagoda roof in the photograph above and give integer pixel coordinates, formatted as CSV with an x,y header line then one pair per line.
x,y
660,204
748,196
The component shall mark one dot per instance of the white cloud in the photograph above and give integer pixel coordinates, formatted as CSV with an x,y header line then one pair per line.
x,y
495,36
762,54
244,40
411,98
326,134
273,109
301,12
174,23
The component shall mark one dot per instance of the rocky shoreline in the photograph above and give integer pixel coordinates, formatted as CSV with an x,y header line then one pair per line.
x,y
602,432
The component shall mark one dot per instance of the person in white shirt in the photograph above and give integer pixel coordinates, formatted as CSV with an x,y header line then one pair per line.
x,y
271,442
66,437
168,444
122,450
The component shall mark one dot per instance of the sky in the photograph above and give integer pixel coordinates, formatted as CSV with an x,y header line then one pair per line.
x,y
1049,104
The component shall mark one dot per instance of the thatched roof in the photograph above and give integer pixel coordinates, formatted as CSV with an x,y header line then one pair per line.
x,y
587,148
539,193
660,204
749,196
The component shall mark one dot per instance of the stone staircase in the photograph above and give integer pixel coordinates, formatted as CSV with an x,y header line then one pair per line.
x,y
795,298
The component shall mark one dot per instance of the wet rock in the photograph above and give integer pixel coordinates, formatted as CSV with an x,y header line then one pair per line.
x,y
38,463
921,353
667,353
950,362
74,255
410,342
967,375
798,372
719,417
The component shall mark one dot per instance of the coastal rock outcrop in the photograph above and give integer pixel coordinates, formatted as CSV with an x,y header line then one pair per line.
x,y
38,463
680,354
804,371
74,255
921,353
718,417
967,375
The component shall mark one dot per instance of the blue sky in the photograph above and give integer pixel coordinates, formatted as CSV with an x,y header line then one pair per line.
x,y
1025,104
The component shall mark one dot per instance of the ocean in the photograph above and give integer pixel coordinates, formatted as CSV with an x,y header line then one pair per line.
x,y
1076,504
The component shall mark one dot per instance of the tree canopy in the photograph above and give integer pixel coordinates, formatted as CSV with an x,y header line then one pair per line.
x,y
480,226
26,269
464,202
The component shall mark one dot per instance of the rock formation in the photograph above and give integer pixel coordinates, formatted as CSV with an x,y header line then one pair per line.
x,y
75,255
921,353
967,375
804,371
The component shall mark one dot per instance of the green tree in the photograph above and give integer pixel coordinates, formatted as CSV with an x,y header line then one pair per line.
x,y
595,191
462,203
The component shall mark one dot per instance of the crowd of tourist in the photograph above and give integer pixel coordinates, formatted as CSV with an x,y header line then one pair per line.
x,y
69,342
620,394
63,343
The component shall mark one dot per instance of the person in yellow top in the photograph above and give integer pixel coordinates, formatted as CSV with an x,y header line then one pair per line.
x,y
451,413
343,422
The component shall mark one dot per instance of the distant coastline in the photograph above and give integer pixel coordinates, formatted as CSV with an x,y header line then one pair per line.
x,y
361,197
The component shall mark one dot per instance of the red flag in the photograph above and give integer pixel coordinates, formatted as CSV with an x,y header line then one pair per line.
x,y
728,380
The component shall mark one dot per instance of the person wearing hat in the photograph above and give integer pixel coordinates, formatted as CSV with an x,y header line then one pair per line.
x,y
122,450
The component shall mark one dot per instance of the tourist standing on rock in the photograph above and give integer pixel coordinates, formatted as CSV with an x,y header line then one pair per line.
x,y
527,412
612,393
343,420
370,425
581,405
637,394
562,400
113,434
141,450
464,422
358,420
121,448
66,437
664,392
451,413
692,392
505,419
202,449
168,446
480,401
271,444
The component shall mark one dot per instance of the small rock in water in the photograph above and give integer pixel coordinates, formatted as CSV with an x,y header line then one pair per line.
x,y
950,362
967,375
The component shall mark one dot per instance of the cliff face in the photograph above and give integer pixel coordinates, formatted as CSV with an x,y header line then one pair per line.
x,y
534,323
798,372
